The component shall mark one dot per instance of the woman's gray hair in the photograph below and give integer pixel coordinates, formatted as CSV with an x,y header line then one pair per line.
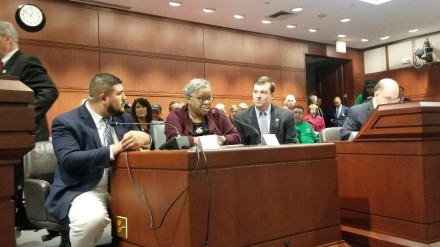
x,y
194,85
8,30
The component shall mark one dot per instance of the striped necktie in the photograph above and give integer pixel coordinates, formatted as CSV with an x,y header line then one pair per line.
x,y
107,132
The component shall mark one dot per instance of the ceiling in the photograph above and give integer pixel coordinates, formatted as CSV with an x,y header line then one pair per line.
x,y
394,18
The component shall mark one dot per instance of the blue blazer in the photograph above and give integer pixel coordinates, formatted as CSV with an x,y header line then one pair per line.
x,y
81,156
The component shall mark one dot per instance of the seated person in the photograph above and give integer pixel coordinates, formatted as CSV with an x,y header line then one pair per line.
x,y
385,92
314,119
304,130
157,112
85,145
197,118
142,113
174,105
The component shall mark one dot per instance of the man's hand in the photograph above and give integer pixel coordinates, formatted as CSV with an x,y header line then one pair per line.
x,y
133,140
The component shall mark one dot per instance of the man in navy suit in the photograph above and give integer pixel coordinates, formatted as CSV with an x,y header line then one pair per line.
x,y
85,146
278,120
339,113
386,91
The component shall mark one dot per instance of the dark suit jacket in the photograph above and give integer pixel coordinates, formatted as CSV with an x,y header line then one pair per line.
x,y
32,73
281,124
339,121
81,156
357,115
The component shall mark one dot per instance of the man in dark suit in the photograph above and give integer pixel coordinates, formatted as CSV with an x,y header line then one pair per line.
x,y
265,117
32,73
339,113
85,145
386,91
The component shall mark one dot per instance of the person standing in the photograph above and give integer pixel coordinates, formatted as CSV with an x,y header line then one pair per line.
x,y
339,113
32,73
265,117
86,145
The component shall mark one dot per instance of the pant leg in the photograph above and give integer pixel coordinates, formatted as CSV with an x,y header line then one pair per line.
x,y
88,217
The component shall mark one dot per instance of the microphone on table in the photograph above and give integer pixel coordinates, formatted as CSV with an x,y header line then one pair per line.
x,y
240,122
177,142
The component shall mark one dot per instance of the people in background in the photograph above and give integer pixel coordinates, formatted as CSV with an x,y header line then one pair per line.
x,y
289,102
368,92
305,132
142,113
221,108
402,94
86,146
385,92
316,121
157,112
339,113
313,99
242,106
32,73
197,118
174,105
233,109
265,117
320,111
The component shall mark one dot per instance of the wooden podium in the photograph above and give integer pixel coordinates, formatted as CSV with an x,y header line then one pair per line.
x,y
389,177
260,196
16,139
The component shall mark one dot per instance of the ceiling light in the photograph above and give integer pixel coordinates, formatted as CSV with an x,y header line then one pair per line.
x,y
266,21
413,30
364,40
384,37
345,20
291,26
342,35
208,10
313,30
375,2
297,9
239,16
175,4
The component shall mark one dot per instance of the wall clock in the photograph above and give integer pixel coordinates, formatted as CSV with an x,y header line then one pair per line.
x,y
30,18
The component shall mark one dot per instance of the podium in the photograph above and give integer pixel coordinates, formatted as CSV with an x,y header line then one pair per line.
x,y
259,196
16,139
389,177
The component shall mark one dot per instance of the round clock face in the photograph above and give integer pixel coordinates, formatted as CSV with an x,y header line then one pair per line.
x,y
30,18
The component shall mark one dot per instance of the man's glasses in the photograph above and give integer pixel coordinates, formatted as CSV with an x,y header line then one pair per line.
x,y
391,100
203,100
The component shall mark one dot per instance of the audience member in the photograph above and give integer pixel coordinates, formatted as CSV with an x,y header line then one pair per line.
x,y
197,118
320,111
142,113
304,130
31,72
402,94
85,146
221,108
265,116
157,112
174,105
339,113
289,102
386,91
314,119
313,99
367,94
242,106
233,109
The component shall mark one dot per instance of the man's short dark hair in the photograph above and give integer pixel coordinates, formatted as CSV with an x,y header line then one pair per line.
x,y
102,84
263,80
298,107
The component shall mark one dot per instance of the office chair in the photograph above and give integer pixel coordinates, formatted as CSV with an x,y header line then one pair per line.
x,y
39,169
158,134
330,134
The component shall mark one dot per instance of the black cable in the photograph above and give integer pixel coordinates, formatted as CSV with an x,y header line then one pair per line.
x,y
209,193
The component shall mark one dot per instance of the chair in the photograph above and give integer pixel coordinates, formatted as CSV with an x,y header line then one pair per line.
x,y
330,134
39,168
157,131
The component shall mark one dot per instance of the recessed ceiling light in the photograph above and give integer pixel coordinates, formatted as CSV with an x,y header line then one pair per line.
x,y
375,2
175,4
364,40
291,26
297,9
239,16
345,20
313,30
208,10
266,21
342,35
413,30
384,37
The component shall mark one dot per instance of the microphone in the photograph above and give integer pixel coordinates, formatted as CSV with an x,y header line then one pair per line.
x,y
240,122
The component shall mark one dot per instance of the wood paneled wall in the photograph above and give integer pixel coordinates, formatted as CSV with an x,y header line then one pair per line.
x,y
155,57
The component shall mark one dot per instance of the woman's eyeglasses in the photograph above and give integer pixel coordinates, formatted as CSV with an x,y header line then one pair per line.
x,y
203,100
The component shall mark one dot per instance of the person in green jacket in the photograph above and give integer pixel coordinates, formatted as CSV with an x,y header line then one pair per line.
x,y
367,94
304,130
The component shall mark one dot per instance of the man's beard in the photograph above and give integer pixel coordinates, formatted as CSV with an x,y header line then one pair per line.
x,y
113,111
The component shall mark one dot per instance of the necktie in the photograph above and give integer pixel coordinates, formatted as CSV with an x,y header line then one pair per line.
x,y
337,112
107,133
263,123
